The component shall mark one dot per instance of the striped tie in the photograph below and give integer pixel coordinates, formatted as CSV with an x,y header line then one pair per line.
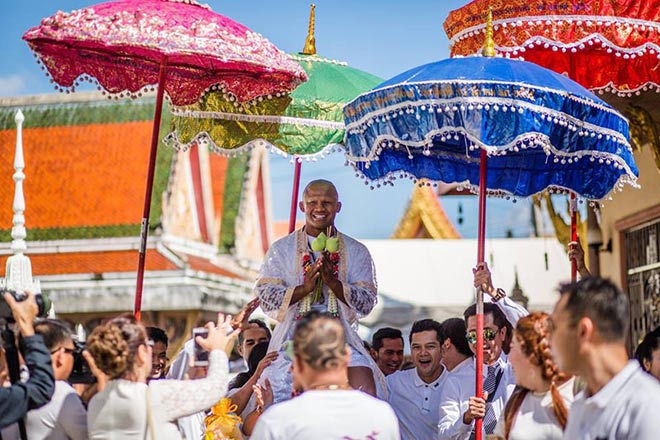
x,y
490,420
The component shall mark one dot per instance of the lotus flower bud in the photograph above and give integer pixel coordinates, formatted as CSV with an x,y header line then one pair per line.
x,y
318,244
332,244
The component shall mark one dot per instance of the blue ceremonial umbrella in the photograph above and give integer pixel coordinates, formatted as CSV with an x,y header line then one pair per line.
x,y
540,130
518,127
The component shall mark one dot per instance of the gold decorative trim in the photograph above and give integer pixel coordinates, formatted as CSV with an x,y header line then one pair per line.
x,y
288,294
276,281
643,131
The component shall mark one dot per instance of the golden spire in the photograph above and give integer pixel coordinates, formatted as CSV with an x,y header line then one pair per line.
x,y
310,42
489,45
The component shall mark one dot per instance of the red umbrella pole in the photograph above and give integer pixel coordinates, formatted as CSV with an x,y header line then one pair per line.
x,y
294,196
574,237
144,229
481,240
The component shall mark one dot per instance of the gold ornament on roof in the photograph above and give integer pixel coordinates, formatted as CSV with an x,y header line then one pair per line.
x,y
310,42
489,43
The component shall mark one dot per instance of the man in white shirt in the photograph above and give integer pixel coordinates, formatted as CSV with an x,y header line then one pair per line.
x,y
387,346
328,408
459,407
456,352
64,417
414,394
590,328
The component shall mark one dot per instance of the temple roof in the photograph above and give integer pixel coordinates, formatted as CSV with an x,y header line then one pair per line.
x,y
425,217
86,164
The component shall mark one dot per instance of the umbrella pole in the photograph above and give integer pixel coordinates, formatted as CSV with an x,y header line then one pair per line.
x,y
573,208
144,228
481,240
294,196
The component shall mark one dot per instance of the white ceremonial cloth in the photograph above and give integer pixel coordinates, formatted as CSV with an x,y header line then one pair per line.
x,y
535,419
415,403
328,414
282,271
191,427
625,408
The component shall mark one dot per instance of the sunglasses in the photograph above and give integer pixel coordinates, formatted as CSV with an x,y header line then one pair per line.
x,y
71,351
489,335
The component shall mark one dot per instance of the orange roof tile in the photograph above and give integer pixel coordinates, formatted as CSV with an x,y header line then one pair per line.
x,y
93,262
80,175
204,265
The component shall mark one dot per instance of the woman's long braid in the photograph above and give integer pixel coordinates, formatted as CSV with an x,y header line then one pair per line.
x,y
533,332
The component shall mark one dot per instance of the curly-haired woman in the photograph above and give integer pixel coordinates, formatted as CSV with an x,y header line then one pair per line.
x,y
538,408
128,407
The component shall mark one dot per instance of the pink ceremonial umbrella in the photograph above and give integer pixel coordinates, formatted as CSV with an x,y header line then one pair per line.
x,y
184,47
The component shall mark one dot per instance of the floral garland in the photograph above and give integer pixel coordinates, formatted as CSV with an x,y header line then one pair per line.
x,y
316,296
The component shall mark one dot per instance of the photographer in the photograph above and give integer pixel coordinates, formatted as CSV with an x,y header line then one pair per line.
x,y
64,417
16,400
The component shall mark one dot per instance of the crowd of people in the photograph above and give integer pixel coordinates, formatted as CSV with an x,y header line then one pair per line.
x,y
545,376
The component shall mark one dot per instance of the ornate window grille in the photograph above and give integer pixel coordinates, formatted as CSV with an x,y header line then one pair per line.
x,y
643,277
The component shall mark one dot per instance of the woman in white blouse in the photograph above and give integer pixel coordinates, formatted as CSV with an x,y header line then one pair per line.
x,y
538,408
128,407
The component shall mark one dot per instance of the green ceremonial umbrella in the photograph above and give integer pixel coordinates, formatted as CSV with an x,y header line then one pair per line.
x,y
307,123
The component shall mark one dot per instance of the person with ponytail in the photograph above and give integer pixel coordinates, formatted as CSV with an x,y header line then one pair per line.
x,y
538,407
128,407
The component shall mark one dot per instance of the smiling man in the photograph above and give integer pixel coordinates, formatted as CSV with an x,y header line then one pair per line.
x,y
319,268
387,344
414,394
459,408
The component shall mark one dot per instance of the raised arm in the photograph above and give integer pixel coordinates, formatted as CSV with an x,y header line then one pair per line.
x,y
179,398
511,309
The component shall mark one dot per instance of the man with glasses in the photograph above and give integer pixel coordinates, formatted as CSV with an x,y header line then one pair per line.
x,y
459,408
64,417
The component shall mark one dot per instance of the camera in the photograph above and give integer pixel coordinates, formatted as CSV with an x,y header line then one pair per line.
x,y
81,372
43,303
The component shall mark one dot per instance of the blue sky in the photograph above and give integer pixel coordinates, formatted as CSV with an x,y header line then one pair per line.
x,y
382,37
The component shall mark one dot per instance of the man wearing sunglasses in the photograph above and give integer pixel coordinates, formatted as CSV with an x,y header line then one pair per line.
x,y
64,417
459,408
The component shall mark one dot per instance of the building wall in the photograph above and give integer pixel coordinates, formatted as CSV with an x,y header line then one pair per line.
x,y
629,202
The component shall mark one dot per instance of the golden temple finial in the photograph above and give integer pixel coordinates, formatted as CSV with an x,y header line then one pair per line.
x,y
489,45
310,42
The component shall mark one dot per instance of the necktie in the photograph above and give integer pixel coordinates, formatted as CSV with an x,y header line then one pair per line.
x,y
490,420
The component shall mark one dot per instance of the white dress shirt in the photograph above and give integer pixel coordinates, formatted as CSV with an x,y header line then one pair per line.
x,y
328,414
457,390
415,403
626,408
63,418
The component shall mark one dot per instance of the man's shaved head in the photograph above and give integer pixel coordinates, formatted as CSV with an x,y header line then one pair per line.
x,y
321,183
320,204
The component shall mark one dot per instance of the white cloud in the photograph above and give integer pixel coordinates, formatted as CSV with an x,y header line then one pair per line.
x,y
11,85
